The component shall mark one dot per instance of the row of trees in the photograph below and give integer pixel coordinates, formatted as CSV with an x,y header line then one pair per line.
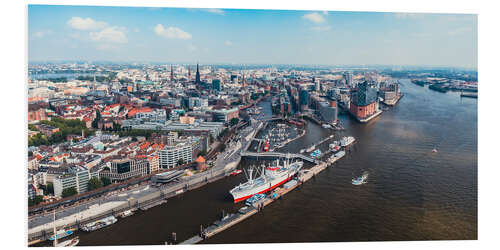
x,y
95,183
66,127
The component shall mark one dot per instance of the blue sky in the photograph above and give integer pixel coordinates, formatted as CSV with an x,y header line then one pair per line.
x,y
250,36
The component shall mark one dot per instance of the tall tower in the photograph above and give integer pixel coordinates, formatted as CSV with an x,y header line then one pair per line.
x,y
243,80
171,73
189,72
197,81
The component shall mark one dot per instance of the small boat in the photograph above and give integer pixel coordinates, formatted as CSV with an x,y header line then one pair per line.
x,y
434,150
125,213
346,141
316,153
236,172
360,180
69,243
254,199
61,234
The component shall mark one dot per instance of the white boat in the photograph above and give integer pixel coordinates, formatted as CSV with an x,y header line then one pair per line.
x,y
270,178
360,180
69,243
346,141
92,226
310,149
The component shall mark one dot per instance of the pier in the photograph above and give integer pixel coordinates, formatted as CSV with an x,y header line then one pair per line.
x,y
247,211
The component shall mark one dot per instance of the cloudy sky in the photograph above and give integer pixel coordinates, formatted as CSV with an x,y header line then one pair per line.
x,y
250,36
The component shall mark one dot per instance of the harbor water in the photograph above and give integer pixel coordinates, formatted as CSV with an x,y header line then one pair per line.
x,y
411,193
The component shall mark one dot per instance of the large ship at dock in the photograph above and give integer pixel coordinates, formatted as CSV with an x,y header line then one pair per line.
x,y
270,178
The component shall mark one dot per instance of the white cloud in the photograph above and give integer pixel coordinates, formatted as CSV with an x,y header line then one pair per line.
x,y
86,23
172,32
228,43
216,11
40,34
321,28
314,17
110,35
325,13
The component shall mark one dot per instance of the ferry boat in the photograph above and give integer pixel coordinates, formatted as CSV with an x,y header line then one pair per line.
x,y
346,141
360,180
326,126
92,226
270,178
61,234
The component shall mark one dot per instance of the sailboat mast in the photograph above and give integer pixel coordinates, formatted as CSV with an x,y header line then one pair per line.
x,y
55,233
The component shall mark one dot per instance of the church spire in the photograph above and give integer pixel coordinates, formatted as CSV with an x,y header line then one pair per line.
x,y
197,81
171,73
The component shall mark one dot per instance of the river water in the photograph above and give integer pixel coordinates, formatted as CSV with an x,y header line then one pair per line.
x,y
411,194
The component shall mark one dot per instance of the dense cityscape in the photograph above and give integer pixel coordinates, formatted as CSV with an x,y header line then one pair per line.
x,y
100,131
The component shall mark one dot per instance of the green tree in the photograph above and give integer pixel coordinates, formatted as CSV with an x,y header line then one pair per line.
x,y
32,127
35,201
69,192
105,180
95,183
223,147
234,121
180,162
50,188
202,153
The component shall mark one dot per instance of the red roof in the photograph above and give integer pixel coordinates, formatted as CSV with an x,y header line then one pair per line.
x,y
144,145
200,159
135,111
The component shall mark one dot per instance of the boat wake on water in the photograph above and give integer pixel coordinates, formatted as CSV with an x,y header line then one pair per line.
x,y
361,180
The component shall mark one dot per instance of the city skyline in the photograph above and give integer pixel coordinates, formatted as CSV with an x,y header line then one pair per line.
x,y
145,34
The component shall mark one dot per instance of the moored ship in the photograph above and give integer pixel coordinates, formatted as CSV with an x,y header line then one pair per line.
x,y
92,226
346,141
270,178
